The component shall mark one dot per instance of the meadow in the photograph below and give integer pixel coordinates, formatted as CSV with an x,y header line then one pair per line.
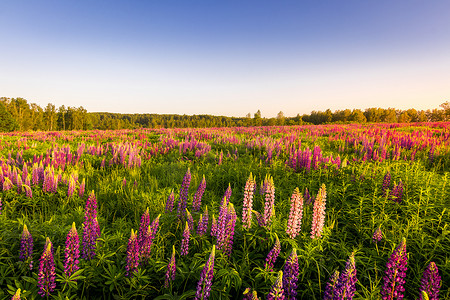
x,y
219,212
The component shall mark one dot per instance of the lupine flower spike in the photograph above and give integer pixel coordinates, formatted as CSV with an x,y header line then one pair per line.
x,y
26,247
277,291
185,241
248,202
319,212
377,235
169,203
345,286
430,282
394,278
184,194
290,276
16,295
273,255
72,251
143,228
330,288
205,282
269,196
91,229
132,255
197,201
250,295
294,224
46,274
171,268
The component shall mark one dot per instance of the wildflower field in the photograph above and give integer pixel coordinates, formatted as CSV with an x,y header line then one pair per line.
x,y
293,212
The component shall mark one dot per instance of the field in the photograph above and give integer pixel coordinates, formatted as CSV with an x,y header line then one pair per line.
x,y
351,179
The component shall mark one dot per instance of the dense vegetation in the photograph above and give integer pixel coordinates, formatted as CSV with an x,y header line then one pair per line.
x,y
390,177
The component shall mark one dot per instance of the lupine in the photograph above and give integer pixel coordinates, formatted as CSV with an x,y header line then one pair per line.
x,y
190,220
16,295
206,277
146,246
273,254
290,275
197,200
294,223
143,228
377,235
169,203
269,204
214,226
185,241
225,227
330,288
345,286
397,192
386,183
250,295
81,188
227,195
307,196
46,274
71,187
430,282
72,251
26,247
91,229
28,191
248,202
171,269
184,194
395,274
132,261
277,291
319,213
203,223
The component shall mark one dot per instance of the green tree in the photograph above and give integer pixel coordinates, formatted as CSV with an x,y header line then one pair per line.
x,y
7,121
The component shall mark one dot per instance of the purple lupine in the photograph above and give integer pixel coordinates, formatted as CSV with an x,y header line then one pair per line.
x,y
46,274
290,275
185,241
277,291
7,184
169,203
248,202
190,220
273,255
232,217
430,282
397,192
386,183
319,212
16,295
377,235
124,182
197,200
206,277
28,191
214,226
345,286
330,288
143,228
202,226
259,218
91,229
225,227
294,223
250,295
171,269
132,260
26,247
81,188
72,251
227,195
182,203
307,197
146,246
269,204
395,274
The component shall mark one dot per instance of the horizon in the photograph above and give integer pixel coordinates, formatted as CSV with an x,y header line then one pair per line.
x,y
226,59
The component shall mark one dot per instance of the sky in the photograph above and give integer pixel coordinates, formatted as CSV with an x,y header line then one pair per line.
x,y
228,57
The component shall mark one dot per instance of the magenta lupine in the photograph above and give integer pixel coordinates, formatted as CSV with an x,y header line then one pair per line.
x,y
185,241
247,206
345,286
71,187
91,229
294,223
146,246
377,235
232,217
132,260
290,275
72,251
277,291
227,195
269,204
169,203
28,191
46,274
190,220
197,200
171,269
386,183
143,228
26,247
206,277
19,184
7,184
395,274
397,192
225,227
202,226
430,282
319,212
16,295
124,182
250,295
273,255
182,203
214,226
330,288
81,188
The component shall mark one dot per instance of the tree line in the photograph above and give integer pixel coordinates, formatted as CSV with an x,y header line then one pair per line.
x,y
18,114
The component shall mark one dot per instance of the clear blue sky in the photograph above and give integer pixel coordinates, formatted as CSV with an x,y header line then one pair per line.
x,y
226,57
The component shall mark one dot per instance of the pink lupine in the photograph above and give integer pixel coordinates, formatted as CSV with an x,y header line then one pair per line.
x,y
269,204
248,202
16,295
295,215
319,213
46,274
72,252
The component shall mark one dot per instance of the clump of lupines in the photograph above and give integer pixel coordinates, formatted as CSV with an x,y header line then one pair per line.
x,y
197,200
91,229
395,274
72,251
430,282
171,269
294,223
330,288
132,260
345,285
184,194
273,254
46,274
319,212
250,295
277,291
290,275
146,246
206,277
26,247
377,235
397,192
169,203
386,183
269,204
248,202
185,241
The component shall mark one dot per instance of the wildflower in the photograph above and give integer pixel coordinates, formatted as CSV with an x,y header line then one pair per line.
x,y
269,196
248,202
345,285
330,288
307,197
16,295
319,213
169,203
386,183
277,291
71,187
72,251
290,275
203,223
26,247
28,191
273,255
377,235
91,229
190,220
394,278
197,201
171,268
185,241
124,182
143,228
184,194
214,226
397,192
205,282
225,227
294,224
132,255
249,295
81,188
46,274
430,282
227,195
146,246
